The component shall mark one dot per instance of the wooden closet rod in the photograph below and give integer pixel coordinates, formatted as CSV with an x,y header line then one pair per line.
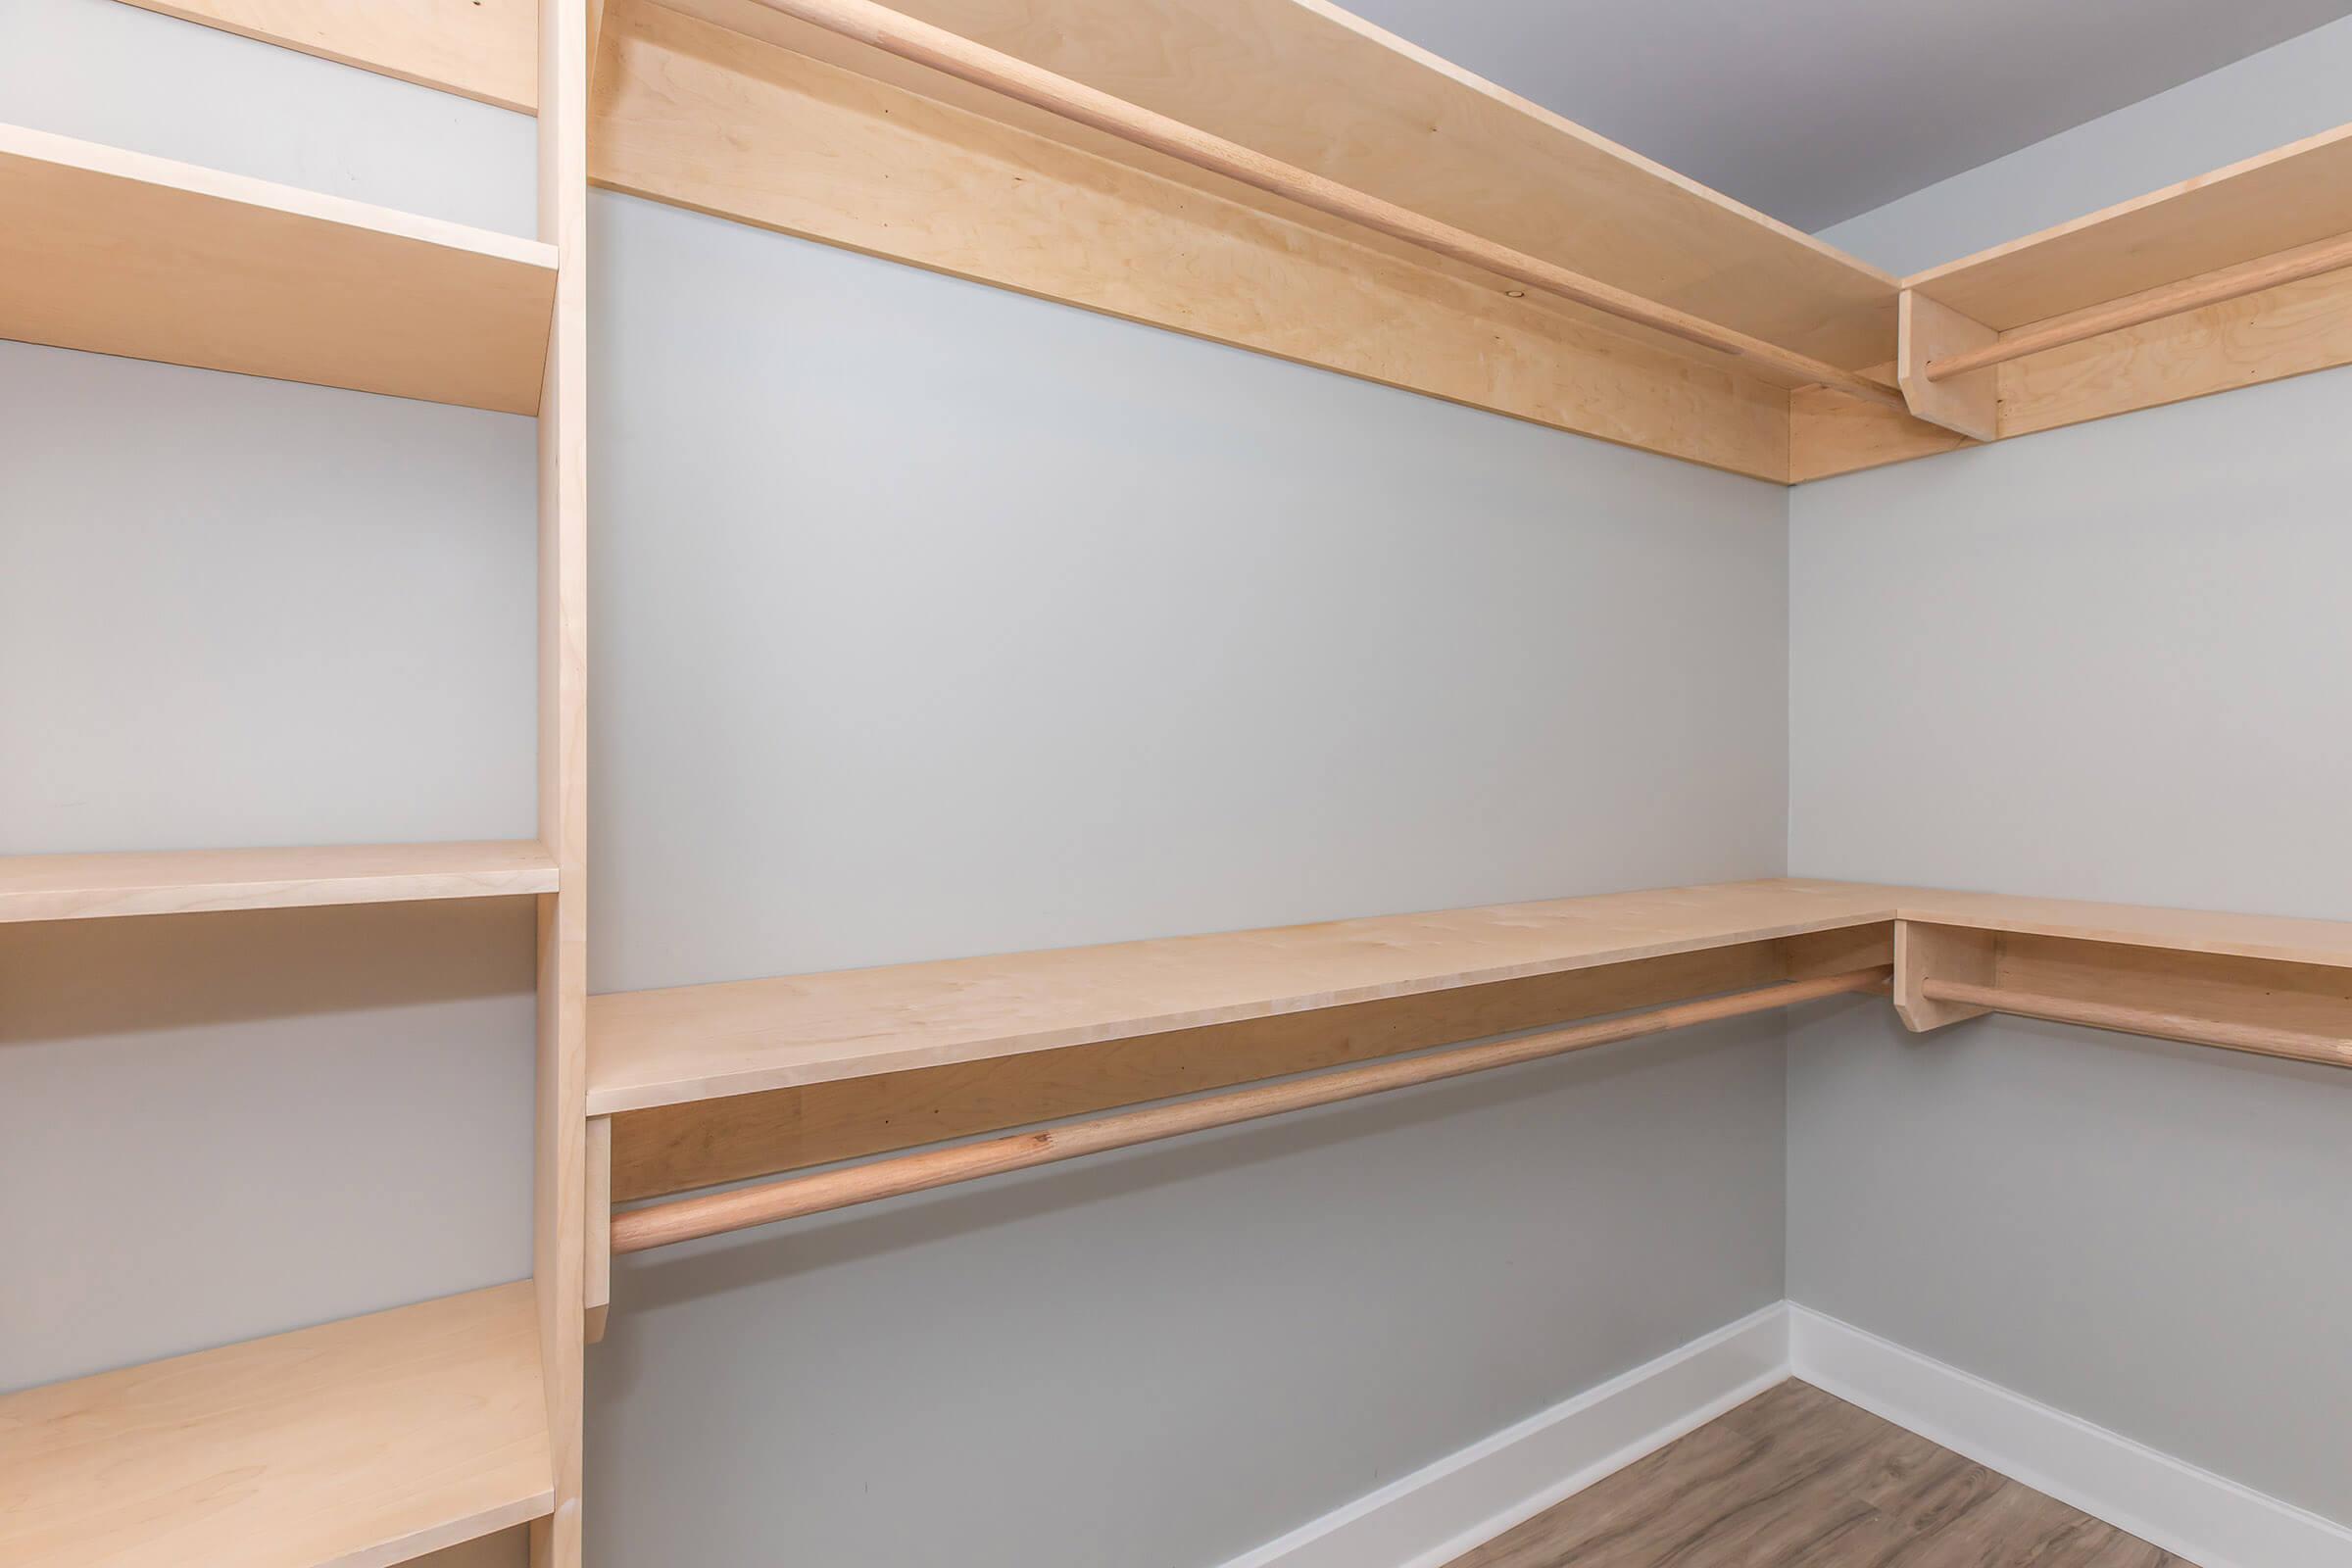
x,y
2152,305
2260,1039
909,39
635,1230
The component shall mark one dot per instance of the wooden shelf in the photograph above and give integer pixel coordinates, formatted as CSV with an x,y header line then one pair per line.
x,y
693,1042
1328,91
2286,198
116,252
654,1048
81,887
365,1441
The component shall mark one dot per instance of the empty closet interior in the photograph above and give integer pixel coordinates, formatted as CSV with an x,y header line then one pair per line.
x,y
1144,782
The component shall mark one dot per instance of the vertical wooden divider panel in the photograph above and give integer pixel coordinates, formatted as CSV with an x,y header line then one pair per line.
x,y
1942,952
560,1220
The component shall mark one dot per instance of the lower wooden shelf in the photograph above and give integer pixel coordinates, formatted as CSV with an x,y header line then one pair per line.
x,y
353,1444
77,886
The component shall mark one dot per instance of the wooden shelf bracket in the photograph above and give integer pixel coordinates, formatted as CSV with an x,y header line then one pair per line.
x,y
1929,339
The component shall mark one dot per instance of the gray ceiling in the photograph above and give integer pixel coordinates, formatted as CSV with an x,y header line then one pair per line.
x,y
1816,110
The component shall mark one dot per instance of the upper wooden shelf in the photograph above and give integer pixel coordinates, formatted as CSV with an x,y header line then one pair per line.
x,y
74,887
114,252
689,1042
1308,84
365,1441
2292,196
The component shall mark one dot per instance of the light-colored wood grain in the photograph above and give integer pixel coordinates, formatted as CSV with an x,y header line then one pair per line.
x,y
560,1218
1927,333
2149,305
356,1443
2288,330
654,1048
869,23
685,1219
707,119
671,1149
2302,1011
2333,1050
116,252
2278,938
650,1047
2292,196
82,887
1924,953
1308,83
485,49
2307,999
1831,433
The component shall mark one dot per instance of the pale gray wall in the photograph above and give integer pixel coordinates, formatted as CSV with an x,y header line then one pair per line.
x,y
932,620
2111,662
2285,93
243,611
111,72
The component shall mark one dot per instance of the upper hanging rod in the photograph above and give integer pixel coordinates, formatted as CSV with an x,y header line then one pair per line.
x,y
2153,305
684,1219
909,39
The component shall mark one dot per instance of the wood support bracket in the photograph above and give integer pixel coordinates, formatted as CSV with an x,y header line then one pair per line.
x,y
1942,952
1925,331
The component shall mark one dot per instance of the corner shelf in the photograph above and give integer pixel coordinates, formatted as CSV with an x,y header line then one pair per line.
x,y
116,252
354,1444
651,1048
690,1042
79,887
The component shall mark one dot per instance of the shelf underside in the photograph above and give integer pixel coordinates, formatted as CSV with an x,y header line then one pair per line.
x,y
365,1441
114,252
71,887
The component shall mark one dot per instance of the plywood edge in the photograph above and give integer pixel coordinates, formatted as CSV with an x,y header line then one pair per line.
x,y
481,49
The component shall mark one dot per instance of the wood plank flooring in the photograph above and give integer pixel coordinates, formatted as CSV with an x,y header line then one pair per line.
x,y
1797,1479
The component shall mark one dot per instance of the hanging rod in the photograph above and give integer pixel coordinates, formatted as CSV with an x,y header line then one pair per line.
x,y
2152,305
867,22
635,1230
2260,1039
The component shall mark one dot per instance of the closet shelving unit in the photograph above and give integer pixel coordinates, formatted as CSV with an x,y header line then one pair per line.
x,y
377,1438
1389,217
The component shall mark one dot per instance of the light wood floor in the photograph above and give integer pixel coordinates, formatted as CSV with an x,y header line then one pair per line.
x,y
1796,1478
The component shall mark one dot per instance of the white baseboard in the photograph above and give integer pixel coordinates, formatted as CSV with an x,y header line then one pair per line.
x,y
2190,1512
1437,1513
